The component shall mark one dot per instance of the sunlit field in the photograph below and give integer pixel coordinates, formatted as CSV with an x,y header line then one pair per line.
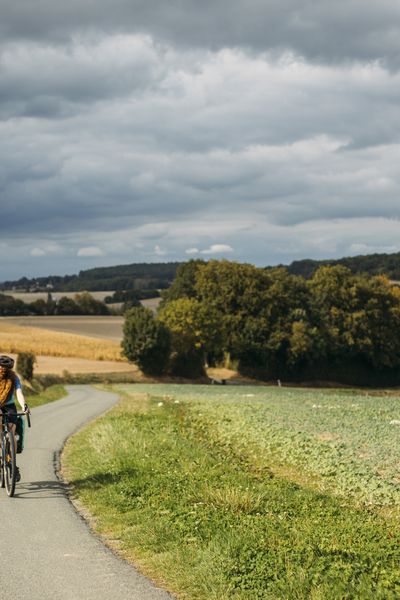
x,y
15,338
104,327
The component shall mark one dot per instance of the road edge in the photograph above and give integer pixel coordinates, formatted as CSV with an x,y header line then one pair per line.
x,y
84,514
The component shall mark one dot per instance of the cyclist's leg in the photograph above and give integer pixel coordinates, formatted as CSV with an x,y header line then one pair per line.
x,y
12,426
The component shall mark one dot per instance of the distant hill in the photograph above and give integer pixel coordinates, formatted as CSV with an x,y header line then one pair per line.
x,y
153,276
371,264
140,276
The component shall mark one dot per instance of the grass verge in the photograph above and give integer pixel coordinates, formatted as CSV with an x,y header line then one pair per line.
x,y
203,520
50,394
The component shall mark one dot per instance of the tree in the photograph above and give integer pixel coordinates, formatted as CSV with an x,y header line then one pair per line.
x,y
10,306
124,297
25,365
38,307
236,292
379,337
278,338
184,284
146,341
50,304
195,335
89,306
358,319
67,306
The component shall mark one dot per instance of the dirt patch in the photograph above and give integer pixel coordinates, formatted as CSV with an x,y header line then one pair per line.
x,y
327,436
54,365
104,327
151,303
221,373
230,376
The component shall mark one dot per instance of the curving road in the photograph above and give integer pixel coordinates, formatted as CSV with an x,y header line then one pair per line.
x,y
46,550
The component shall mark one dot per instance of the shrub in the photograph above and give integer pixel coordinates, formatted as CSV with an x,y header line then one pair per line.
x,y
146,341
25,365
87,305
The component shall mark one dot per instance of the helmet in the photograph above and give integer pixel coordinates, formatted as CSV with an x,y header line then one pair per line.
x,y
6,361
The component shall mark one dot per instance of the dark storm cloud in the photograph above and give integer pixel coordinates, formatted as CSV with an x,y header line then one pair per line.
x,y
320,30
43,81
262,131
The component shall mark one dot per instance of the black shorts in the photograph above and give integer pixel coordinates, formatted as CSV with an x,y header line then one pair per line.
x,y
11,411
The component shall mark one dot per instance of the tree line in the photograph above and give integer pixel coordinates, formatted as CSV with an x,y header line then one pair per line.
x,y
137,276
80,304
370,264
149,276
271,325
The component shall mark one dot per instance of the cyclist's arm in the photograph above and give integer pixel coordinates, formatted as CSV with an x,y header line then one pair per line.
x,y
19,393
20,398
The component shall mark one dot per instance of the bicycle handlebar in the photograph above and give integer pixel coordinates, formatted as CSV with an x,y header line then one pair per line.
x,y
26,414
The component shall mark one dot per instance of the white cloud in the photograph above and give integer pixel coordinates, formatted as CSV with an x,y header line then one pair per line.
x,y
89,251
37,252
217,249
192,251
159,251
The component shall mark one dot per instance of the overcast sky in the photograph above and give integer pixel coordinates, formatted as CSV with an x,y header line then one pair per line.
x,y
262,131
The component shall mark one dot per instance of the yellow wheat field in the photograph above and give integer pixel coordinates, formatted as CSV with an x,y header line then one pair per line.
x,y
14,339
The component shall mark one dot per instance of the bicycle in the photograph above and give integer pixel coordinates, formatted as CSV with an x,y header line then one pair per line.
x,y
8,454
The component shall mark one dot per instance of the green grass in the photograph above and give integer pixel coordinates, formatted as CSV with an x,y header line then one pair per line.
x,y
50,394
183,483
346,442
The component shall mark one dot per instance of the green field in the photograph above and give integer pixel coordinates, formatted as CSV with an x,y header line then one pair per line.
x,y
50,394
349,441
248,492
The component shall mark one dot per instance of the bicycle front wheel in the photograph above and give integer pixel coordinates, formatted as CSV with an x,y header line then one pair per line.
x,y
3,454
9,464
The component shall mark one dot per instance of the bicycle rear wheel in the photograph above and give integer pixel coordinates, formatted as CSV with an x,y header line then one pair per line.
x,y
9,464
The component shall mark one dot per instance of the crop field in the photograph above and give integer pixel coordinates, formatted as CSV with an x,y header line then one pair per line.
x,y
343,442
58,365
17,338
104,327
248,492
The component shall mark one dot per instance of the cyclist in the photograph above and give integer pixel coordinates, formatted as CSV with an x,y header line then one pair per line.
x,y
10,387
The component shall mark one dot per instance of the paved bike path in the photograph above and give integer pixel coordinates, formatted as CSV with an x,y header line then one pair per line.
x,y
46,550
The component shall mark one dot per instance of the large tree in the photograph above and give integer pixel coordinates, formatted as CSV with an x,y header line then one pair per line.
x,y
196,334
184,284
146,341
358,317
236,292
